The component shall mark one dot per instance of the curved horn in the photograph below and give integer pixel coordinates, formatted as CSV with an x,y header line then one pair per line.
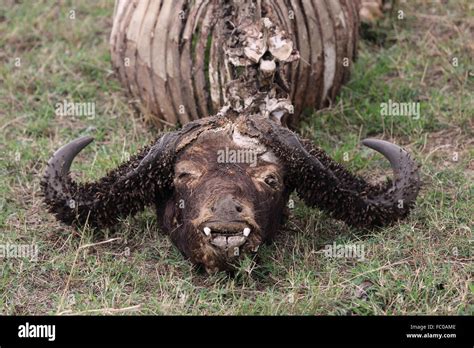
x,y
405,170
126,190
352,199
122,192
321,182
60,164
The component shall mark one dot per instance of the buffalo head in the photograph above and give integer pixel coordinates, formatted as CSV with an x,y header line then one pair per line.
x,y
220,186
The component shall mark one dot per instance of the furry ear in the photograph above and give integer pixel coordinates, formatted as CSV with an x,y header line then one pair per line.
x,y
321,182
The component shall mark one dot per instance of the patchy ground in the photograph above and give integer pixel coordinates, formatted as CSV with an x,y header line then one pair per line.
x,y
421,266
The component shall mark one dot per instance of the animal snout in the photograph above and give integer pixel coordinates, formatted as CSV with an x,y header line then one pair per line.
x,y
228,208
228,228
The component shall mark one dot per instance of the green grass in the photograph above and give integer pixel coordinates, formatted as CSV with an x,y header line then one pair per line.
x,y
423,265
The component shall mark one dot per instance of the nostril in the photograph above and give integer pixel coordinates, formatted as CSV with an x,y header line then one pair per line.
x,y
227,206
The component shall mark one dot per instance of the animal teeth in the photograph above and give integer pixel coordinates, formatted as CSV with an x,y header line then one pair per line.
x,y
246,231
207,231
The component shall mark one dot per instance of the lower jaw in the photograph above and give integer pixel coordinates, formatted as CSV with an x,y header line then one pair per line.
x,y
215,259
227,260
234,251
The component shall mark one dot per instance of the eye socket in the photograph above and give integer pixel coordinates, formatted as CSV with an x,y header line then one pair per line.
x,y
183,175
272,181
187,172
